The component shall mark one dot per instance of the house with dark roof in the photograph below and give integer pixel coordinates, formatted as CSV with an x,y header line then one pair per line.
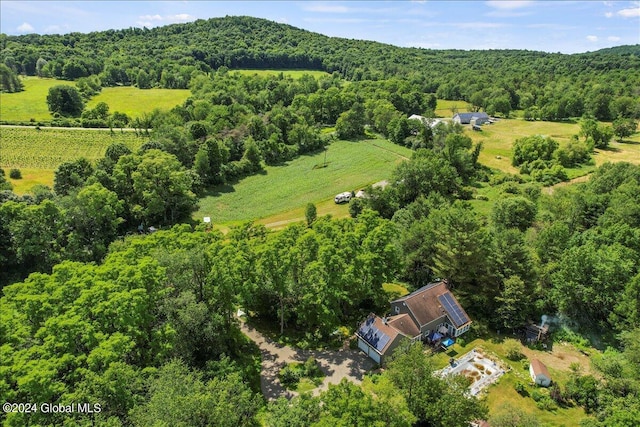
x,y
378,337
476,118
433,308
539,373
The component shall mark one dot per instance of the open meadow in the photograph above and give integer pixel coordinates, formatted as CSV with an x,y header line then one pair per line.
x,y
134,102
31,103
446,108
287,189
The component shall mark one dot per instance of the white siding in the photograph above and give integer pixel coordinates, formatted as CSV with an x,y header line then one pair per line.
x,y
362,345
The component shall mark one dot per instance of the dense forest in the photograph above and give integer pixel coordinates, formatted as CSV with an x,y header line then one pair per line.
x,y
549,86
96,308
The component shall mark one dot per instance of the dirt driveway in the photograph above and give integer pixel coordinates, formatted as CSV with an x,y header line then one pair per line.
x,y
336,364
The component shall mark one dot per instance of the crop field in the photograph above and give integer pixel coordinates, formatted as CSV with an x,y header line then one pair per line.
x,y
45,149
296,74
286,190
29,104
133,101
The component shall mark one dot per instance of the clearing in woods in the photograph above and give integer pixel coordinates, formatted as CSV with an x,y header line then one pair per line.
x,y
279,194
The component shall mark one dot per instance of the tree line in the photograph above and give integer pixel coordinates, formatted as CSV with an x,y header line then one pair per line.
x,y
547,86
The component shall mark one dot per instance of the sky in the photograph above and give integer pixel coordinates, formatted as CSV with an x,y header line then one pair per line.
x,y
544,25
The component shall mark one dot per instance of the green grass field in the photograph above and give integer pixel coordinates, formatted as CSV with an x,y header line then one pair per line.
x,y
295,74
29,104
445,108
133,101
288,189
498,139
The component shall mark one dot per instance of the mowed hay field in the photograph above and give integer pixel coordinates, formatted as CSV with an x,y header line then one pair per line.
x,y
280,194
134,102
31,103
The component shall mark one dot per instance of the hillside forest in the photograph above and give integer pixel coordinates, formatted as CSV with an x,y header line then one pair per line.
x,y
97,308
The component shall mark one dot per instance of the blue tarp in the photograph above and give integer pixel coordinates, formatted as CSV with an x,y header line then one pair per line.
x,y
434,336
448,342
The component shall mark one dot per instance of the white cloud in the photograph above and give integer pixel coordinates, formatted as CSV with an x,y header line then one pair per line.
x,y
25,28
613,38
608,3
592,38
630,13
509,4
326,8
181,17
608,14
151,17
153,20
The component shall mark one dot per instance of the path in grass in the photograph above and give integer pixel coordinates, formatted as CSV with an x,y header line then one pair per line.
x,y
281,193
335,364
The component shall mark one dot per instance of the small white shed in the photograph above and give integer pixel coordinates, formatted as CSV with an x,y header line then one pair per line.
x,y
539,373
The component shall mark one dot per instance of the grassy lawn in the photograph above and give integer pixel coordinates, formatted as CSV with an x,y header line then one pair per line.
x,y
133,101
502,393
395,290
31,103
296,74
281,193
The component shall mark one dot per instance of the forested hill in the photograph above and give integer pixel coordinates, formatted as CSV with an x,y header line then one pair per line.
x,y
246,42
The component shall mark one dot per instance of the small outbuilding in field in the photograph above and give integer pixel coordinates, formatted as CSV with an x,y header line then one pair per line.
x,y
539,373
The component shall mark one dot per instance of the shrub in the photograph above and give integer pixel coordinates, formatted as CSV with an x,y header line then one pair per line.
x,y
512,349
15,174
290,375
546,404
311,368
521,389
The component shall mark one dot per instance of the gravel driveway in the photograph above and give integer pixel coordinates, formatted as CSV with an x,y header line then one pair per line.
x,y
336,364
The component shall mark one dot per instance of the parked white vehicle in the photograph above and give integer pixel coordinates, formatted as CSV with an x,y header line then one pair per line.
x,y
343,197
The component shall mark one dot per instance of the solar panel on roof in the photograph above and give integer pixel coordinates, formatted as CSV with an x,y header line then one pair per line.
x,y
453,309
376,338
